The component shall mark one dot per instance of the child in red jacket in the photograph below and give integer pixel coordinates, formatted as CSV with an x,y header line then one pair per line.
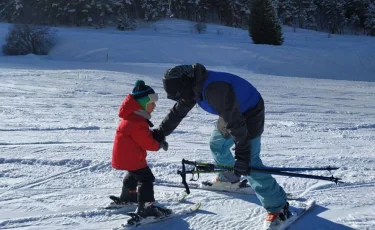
x,y
133,138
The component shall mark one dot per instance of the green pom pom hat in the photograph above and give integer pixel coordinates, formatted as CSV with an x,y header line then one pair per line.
x,y
144,94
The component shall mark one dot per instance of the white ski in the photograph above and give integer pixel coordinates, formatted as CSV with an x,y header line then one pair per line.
x,y
244,190
123,207
297,211
226,187
134,223
116,204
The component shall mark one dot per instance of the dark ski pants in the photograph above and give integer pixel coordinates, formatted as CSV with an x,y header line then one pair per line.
x,y
144,179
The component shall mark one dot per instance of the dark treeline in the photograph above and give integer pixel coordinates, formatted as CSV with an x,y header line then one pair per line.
x,y
334,16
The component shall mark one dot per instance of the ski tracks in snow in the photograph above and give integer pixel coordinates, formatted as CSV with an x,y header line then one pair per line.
x,y
85,165
93,216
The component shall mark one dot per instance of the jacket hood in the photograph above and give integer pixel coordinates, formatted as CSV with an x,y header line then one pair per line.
x,y
201,74
128,106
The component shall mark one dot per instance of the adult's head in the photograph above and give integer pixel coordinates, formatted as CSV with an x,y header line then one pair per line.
x,y
179,81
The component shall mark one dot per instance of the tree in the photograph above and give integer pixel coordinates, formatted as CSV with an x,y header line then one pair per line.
x,y
202,9
150,9
355,13
305,13
126,23
334,14
188,11
331,15
11,10
25,39
370,19
264,26
286,11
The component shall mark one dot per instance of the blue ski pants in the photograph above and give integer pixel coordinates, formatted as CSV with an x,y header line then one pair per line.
x,y
269,192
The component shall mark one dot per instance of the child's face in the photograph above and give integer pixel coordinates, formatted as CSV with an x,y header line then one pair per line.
x,y
150,107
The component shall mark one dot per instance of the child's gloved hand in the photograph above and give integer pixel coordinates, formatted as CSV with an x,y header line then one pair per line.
x,y
164,145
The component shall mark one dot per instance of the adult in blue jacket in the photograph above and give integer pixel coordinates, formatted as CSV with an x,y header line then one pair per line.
x,y
240,108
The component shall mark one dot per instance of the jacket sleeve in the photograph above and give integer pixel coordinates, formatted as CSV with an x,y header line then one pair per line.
x,y
222,97
175,116
143,137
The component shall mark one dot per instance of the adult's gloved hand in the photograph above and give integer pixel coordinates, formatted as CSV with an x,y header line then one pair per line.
x,y
163,145
158,135
241,167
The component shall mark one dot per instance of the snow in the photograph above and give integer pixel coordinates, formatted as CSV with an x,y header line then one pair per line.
x,y
58,115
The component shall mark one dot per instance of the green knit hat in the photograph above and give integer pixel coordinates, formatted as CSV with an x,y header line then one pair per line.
x,y
144,94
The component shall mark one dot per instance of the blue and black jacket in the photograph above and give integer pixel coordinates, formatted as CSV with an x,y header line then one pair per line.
x,y
236,101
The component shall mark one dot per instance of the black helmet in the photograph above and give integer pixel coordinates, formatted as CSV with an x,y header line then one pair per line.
x,y
178,82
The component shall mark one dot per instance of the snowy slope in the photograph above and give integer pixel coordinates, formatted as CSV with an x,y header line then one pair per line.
x,y
304,53
58,115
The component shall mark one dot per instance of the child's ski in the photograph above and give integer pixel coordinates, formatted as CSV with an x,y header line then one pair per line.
x,y
137,221
117,204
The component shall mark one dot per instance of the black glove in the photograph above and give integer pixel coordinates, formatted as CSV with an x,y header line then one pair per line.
x,y
164,145
158,135
241,167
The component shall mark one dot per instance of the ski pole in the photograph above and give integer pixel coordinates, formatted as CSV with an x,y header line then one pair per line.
x,y
281,173
183,175
212,166
328,168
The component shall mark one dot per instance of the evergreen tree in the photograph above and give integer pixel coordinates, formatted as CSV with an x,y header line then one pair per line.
x,y
150,9
12,10
99,12
304,11
355,13
276,5
202,9
4,11
370,19
311,14
43,12
124,13
286,12
214,8
310,20
188,10
176,8
244,9
334,15
355,22
264,26
234,15
232,11
164,8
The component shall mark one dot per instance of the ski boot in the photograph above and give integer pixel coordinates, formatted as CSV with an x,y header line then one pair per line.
x,y
148,209
146,213
223,185
273,220
128,199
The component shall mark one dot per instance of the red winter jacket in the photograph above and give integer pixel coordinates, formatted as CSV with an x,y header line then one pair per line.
x,y
133,137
